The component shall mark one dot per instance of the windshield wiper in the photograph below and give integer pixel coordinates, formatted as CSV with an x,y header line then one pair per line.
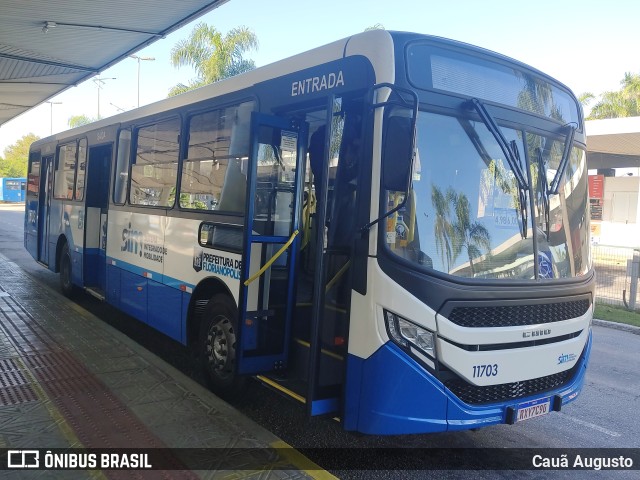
x,y
512,156
555,184
542,176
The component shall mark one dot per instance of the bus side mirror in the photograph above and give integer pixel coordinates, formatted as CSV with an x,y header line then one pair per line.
x,y
397,153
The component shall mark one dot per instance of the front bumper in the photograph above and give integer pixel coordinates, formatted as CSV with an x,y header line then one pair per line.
x,y
391,393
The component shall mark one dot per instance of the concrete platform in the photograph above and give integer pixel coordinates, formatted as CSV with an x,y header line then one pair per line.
x,y
68,380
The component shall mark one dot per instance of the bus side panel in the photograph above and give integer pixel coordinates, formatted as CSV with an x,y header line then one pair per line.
x,y
113,286
137,260
133,295
187,263
165,309
135,242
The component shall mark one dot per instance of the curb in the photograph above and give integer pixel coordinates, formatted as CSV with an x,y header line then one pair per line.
x,y
617,326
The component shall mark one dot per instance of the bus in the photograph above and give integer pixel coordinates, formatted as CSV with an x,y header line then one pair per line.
x,y
12,190
392,229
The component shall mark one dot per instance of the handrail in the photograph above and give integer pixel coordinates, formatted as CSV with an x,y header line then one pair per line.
x,y
337,276
272,259
308,207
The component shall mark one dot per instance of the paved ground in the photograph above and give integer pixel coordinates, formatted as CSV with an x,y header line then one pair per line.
x,y
69,380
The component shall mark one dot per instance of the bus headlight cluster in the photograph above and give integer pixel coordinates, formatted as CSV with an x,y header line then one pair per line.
x,y
408,334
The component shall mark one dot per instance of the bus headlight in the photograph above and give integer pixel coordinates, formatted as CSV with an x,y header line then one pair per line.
x,y
406,334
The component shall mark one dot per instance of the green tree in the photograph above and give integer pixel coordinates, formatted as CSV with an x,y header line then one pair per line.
x,y
16,157
621,103
472,238
79,120
586,98
212,55
444,230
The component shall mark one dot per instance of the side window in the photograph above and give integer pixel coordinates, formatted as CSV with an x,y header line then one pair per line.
x,y
123,159
155,169
65,171
212,173
33,179
82,168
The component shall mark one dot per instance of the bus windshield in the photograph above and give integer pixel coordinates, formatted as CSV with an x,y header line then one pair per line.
x,y
466,216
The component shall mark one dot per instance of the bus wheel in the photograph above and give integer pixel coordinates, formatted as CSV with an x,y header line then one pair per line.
x,y
67,287
218,345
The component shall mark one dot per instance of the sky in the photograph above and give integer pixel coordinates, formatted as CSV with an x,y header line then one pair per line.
x,y
586,44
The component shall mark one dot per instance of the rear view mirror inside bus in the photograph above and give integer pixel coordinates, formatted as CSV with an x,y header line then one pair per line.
x,y
397,153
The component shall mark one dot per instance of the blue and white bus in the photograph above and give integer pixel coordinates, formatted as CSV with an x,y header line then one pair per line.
x,y
392,229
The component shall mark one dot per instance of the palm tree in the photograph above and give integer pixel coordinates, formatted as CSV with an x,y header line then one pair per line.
x,y
458,234
622,103
443,228
212,55
537,96
586,98
469,237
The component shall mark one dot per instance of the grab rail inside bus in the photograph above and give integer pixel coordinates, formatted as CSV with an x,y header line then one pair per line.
x,y
284,247
337,276
308,207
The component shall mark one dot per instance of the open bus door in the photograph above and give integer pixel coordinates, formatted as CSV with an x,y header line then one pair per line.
x,y
332,258
44,204
96,204
271,243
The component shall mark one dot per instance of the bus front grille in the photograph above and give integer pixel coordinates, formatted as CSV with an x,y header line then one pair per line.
x,y
476,395
517,315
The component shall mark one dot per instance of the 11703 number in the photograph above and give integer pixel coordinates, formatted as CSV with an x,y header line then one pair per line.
x,y
485,370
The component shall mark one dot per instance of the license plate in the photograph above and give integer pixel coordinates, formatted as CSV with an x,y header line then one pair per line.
x,y
532,409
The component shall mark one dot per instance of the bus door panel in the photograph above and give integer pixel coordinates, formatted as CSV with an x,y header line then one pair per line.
x,y
335,211
271,243
32,204
44,205
97,201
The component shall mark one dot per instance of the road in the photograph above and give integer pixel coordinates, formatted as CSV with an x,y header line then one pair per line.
x,y
604,416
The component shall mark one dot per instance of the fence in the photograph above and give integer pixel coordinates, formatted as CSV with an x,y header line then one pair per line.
x,y
617,275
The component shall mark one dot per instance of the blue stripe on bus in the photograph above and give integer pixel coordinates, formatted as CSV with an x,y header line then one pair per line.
x,y
419,403
156,276
159,301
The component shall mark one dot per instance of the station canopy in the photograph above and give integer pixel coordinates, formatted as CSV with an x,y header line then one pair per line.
x,y
613,143
47,46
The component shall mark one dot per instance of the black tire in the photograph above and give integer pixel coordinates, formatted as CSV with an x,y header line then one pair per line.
x,y
66,285
217,345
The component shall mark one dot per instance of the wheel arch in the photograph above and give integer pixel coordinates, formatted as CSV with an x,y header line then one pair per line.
x,y
62,241
201,295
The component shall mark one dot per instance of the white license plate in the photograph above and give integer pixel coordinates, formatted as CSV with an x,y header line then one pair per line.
x,y
533,408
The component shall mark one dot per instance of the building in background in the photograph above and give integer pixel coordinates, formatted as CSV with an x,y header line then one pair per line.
x,y
613,159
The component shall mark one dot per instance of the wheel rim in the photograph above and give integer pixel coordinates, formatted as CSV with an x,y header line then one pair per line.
x,y
220,347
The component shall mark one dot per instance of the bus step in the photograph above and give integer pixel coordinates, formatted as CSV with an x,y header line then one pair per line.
x,y
99,294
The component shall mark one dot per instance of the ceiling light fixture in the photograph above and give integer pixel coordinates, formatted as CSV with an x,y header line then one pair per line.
x,y
48,25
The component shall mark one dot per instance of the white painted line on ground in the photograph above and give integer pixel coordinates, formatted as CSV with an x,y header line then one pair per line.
x,y
593,426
